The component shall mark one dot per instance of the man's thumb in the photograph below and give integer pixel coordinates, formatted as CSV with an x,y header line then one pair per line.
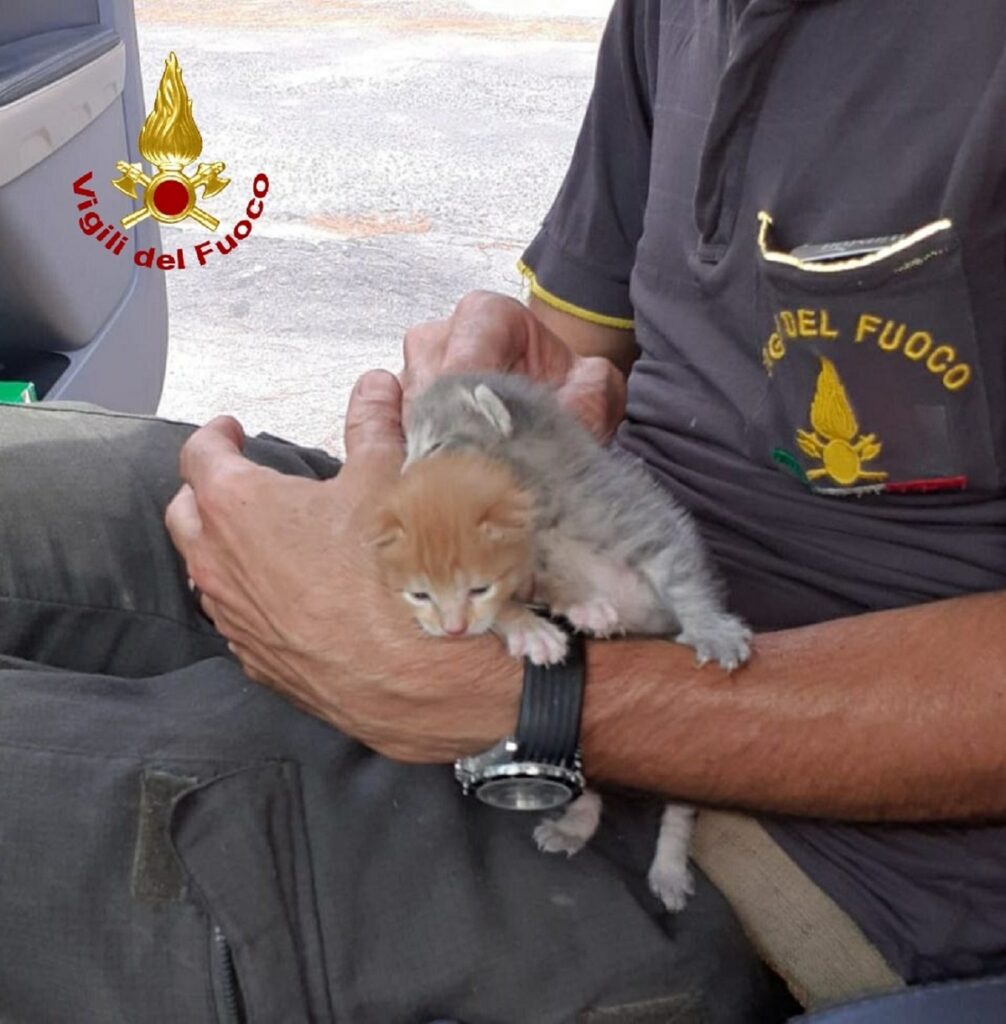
x,y
594,392
374,419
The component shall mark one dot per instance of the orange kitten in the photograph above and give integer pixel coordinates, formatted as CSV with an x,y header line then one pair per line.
x,y
455,540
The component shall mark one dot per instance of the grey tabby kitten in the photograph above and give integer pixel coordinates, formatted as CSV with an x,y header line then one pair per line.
x,y
613,553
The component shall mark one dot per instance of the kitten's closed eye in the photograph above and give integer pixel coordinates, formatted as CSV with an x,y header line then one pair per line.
x,y
416,596
482,591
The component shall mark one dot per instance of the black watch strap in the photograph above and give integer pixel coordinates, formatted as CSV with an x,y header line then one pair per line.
x,y
548,726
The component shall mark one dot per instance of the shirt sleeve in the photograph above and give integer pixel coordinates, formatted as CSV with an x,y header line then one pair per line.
x,y
581,259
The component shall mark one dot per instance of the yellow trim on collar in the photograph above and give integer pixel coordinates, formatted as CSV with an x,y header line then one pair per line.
x,y
568,307
834,266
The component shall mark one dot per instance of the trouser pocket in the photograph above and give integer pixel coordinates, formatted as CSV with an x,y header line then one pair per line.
x,y
242,841
167,893
80,942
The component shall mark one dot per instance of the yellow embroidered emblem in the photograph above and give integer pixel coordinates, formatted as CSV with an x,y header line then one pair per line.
x,y
834,438
170,140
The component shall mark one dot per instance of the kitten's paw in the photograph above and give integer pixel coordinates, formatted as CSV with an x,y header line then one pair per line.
x,y
570,832
557,835
671,884
723,638
599,617
538,639
553,837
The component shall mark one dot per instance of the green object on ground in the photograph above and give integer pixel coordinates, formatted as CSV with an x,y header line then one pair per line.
x,y
17,392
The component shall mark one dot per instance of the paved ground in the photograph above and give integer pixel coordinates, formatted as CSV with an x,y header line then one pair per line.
x,y
412,148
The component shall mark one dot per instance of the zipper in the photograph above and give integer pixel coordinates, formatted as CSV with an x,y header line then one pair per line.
x,y
230,1005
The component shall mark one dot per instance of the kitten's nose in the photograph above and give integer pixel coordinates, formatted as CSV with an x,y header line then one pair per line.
x,y
455,629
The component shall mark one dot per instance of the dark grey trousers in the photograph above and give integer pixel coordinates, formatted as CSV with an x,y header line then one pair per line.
x,y
178,844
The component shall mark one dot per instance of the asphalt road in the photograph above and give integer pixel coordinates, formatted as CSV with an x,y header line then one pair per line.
x,y
412,149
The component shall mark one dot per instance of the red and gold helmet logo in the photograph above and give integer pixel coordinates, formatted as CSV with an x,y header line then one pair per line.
x,y
170,141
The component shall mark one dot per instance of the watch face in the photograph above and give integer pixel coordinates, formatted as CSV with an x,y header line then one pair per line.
x,y
517,794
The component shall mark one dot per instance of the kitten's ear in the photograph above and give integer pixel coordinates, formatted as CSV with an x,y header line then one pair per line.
x,y
386,529
491,406
508,517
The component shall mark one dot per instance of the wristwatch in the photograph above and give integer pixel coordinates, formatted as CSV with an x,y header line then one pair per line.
x,y
539,767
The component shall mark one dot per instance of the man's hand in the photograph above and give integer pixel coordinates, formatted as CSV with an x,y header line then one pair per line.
x,y
490,332
287,577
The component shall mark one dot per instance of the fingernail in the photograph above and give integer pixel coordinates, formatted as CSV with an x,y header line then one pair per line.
x,y
377,384
366,385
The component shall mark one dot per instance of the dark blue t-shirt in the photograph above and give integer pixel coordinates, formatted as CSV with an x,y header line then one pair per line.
x,y
801,209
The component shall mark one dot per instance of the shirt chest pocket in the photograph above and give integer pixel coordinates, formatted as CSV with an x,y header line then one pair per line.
x,y
875,378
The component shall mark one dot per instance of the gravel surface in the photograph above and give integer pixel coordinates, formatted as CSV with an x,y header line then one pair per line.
x,y
411,148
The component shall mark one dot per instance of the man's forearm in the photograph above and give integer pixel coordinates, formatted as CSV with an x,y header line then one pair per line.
x,y
616,344
896,715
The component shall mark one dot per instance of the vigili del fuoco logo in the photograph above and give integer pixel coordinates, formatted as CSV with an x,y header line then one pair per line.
x,y
169,141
